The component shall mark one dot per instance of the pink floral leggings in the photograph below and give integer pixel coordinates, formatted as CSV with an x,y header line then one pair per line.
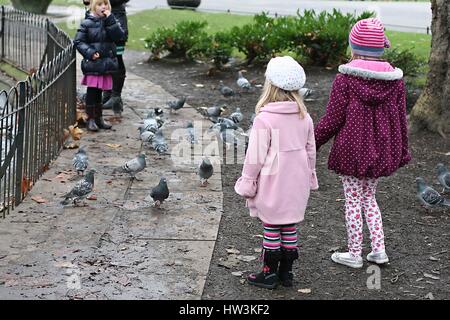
x,y
359,197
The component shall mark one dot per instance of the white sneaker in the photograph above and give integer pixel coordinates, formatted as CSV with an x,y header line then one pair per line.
x,y
378,258
347,259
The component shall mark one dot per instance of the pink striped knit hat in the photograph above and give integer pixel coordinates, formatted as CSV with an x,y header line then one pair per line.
x,y
367,38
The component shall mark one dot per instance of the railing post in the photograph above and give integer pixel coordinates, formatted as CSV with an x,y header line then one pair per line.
x,y
3,32
20,138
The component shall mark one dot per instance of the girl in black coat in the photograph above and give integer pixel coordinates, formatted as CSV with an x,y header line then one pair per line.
x,y
95,40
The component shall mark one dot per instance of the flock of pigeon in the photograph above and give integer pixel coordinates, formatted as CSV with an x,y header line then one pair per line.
x,y
429,197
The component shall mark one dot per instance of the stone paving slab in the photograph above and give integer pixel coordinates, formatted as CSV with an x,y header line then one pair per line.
x,y
118,246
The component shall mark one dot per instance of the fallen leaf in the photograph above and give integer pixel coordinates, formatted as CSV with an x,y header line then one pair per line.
x,y
232,251
304,290
92,197
229,263
429,296
38,199
433,259
339,200
109,181
26,184
427,275
64,264
333,249
113,145
246,258
123,281
75,132
237,273
199,85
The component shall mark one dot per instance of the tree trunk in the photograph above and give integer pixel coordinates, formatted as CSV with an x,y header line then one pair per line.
x,y
432,109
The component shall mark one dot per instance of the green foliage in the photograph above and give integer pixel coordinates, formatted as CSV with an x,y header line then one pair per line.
x,y
411,64
217,48
178,41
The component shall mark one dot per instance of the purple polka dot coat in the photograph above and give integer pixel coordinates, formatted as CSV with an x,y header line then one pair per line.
x,y
366,115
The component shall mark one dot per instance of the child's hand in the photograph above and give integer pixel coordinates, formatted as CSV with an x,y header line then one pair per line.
x,y
107,13
96,56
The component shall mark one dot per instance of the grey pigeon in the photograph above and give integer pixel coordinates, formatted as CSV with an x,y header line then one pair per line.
x,y
81,189
177,104
443,177
230,124
132,166
305,92
237,115
226,91
159,143
243,82
80,161
191,133
213,112
228,136
429,197
160,192
158,112
205,171
146,136
150,124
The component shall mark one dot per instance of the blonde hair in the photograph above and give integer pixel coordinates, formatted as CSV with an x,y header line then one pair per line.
x,y
272,93
95,3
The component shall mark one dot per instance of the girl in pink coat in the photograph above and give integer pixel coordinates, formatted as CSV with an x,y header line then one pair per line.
x,y
279,169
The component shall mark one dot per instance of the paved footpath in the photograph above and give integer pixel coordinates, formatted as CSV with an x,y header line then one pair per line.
x,y
118,246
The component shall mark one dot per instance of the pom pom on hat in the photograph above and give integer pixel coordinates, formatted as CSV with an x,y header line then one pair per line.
x,y
285,73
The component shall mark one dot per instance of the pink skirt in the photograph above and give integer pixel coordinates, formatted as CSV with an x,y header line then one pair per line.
x,y
103,82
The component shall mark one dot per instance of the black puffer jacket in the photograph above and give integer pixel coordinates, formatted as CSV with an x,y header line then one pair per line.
x,y
119,11
98,34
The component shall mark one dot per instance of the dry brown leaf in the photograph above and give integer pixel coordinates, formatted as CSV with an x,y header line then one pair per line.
x,y
75,132
26,184
38,199
304,290
92,197
113,145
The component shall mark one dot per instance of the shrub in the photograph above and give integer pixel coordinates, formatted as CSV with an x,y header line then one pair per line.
x,y
406,60
178,41
258,40
322,38
217,48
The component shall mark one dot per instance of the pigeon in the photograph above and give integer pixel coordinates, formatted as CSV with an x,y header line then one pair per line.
x,y
237,115
213,112
150,124
191,133
177,104
226,91
228,136
205,171
132,166
305,92
158,112
80,161
159,143
243,82
146,136
443,177
429,197
160,192
81,189
231,124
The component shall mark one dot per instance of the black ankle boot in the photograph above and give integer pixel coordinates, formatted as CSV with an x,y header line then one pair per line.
x,y
91,125
101,123
268,277
288,256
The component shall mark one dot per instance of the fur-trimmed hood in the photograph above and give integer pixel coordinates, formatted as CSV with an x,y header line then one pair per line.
x,y
371,86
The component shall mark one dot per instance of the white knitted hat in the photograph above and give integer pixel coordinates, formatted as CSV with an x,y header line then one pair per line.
x,y
285,73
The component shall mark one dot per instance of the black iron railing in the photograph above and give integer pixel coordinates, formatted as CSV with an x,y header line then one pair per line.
x,y
34,113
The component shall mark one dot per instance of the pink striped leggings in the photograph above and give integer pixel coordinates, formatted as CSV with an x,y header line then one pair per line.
x,y
279,236
360,197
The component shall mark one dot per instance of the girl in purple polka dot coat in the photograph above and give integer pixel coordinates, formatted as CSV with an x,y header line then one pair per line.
x,y
366,115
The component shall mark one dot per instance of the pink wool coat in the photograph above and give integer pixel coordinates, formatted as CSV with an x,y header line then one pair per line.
x,y
279,168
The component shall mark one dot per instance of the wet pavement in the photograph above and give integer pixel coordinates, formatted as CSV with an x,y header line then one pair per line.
x,y
118,246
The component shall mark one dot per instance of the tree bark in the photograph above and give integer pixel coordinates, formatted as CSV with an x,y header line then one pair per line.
x,y
432,109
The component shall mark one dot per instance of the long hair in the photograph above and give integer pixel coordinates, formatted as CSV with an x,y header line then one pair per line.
x,y
272,93
95,3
